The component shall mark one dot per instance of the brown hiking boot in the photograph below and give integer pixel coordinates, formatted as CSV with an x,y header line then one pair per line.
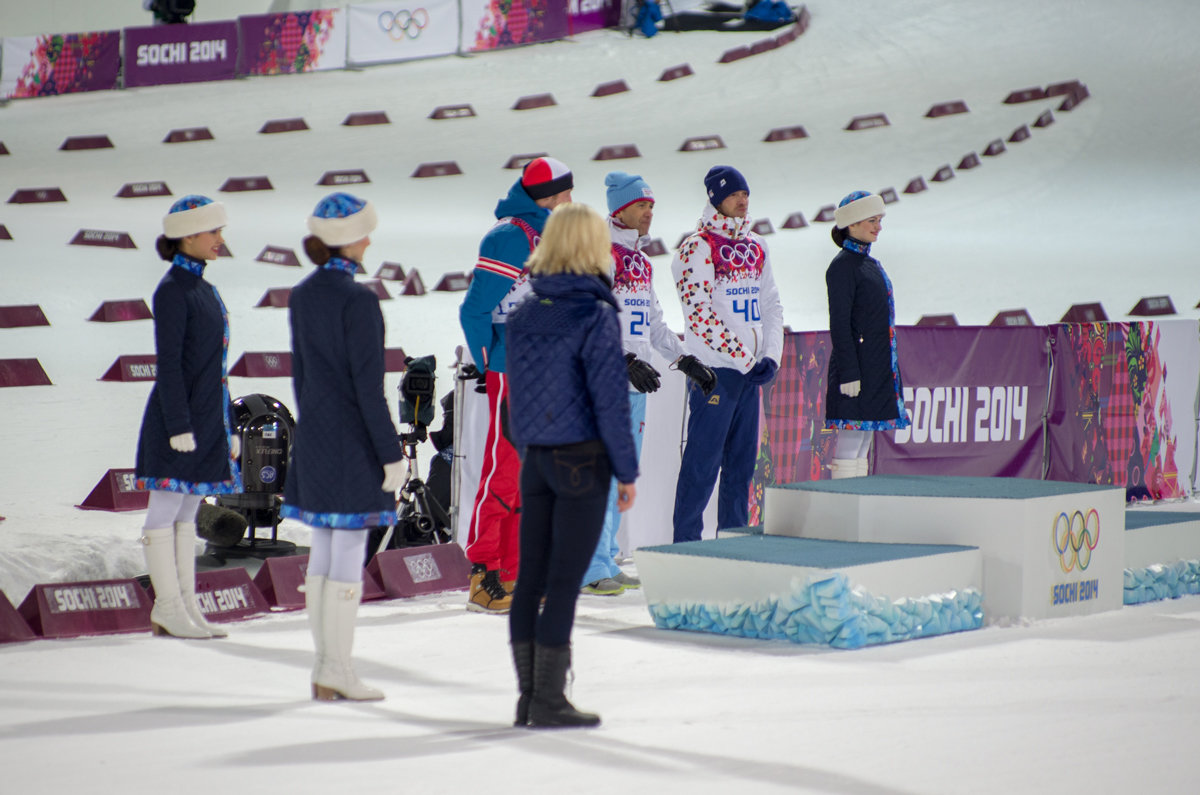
x,y
487,595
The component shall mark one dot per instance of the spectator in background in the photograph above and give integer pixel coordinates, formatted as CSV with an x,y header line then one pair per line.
x,y
346,458
186,447
864,392
631,210
569,411
733,323
170,12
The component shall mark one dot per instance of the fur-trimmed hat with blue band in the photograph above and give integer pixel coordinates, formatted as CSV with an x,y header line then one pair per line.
x,y
626,189
721,181
341,219
192,215
543,177
858,206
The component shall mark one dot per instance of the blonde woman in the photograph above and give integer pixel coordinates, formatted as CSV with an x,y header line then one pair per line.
x,y
569,417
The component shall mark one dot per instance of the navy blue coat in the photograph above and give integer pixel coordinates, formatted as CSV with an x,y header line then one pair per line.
x,y
568,381
344,433
190,393
862,332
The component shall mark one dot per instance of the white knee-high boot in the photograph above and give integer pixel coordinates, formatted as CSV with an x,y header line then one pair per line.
x,y
336,678
844,468
314,604
169,615
185,565
864,467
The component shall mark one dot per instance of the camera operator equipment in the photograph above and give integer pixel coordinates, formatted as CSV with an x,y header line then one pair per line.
x,y
421,518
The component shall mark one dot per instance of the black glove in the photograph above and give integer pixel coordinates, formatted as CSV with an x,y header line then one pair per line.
x,y
704,377
642,376
472,373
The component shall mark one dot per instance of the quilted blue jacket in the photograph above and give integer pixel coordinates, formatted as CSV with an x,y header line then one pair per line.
x,y
567,377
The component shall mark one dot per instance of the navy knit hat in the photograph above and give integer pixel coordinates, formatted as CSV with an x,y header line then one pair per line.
x,y
720,181
626,189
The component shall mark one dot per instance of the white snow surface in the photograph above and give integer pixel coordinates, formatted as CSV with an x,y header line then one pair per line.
x,y
1091,208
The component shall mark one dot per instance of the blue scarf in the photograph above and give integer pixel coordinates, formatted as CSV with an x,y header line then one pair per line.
x,y
190,264
342,264
856,246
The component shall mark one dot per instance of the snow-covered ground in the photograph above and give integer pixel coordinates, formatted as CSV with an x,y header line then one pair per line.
x,y
1091,208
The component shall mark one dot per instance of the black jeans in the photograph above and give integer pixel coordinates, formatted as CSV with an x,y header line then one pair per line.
x,y
564,492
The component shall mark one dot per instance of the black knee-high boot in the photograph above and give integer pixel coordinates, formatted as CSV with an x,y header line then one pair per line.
x,y
549,706
523,661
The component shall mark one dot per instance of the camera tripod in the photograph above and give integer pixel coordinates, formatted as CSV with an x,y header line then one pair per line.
x,y
420,517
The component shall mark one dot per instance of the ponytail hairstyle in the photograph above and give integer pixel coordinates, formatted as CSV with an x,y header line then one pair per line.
x,y
167,247
318,252
838,235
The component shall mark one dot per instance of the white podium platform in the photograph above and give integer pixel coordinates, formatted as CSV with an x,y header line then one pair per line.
x,y
1049,548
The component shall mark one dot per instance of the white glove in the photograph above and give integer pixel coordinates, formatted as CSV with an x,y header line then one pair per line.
x,y
851,389
235,445
184,442
393,475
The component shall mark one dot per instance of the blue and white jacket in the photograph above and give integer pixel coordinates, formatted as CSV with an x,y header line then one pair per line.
x,y
500,279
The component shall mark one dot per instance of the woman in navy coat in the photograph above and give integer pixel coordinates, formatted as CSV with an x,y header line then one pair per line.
x,y
186,449
864,392
569,415
346,458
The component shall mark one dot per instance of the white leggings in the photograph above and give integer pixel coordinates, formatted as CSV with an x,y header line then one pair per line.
x,y
337,554
853,444
168,507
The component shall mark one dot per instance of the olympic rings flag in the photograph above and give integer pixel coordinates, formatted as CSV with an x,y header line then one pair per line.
x,y
401,30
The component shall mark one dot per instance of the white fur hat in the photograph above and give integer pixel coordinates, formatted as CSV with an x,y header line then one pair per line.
x,y
858,206
341,219
192,215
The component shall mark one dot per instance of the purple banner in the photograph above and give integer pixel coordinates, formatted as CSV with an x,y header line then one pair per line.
x,y
181,53
976,398
588,15
303,41
40,66
509,23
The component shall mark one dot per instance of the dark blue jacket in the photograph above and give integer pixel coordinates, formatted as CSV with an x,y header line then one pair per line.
x,y
567,376
190,391
344,433
862,332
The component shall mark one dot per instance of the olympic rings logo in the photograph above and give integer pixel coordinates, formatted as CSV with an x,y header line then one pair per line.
x,y
741,255
403,24
636,267
1075,538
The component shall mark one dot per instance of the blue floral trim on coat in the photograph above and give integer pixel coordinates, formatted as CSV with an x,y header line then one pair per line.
x,y
184,487
339,521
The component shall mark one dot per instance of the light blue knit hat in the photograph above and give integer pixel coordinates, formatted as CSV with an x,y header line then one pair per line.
x,y
625,189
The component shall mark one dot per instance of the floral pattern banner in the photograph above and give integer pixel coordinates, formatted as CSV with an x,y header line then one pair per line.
x,y
303,41
1125,400
41,66
510,23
